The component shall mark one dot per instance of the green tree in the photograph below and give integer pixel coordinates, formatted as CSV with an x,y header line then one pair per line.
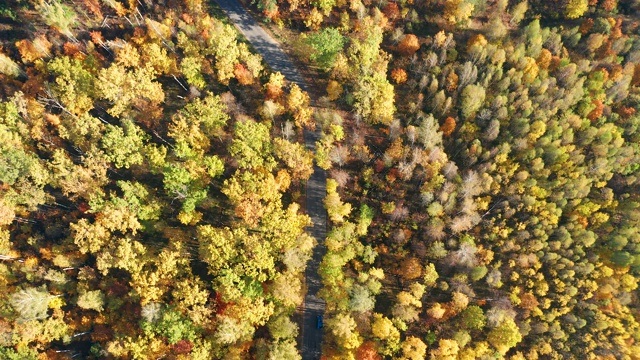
x,y
209,112
281,327
473,318
471,100
74,84
123,146
505,336
326,44
23,353
191,69
374,99
180,184
172,325
251,145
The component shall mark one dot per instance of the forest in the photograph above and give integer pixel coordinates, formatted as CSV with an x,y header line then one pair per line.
x,y
483,190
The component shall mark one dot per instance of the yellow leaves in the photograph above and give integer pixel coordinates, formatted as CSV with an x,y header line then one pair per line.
x,y
287,288
340,70
459,301
256,311
298,104
505,336
447,350
127,55
334,90
32,51
283,180
56,302
147,285
156,56
474,41
90,238
5,247
314,19
7,213
293,4
541,288
259,185
41,331
628,282
189,218
383,328
377,273
119,218
191,298
217,246
252,61
157,30
537,129
413,349
83,180
529,68
171,260
457,11
436,311
538,192
270,109
576,8
298,159
603,272
440,38
471,100
274,86
188,130
336,209
122,87
124,253
405,298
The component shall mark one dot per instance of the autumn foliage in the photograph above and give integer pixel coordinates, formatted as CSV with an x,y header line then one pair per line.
x,y
448,126
408,45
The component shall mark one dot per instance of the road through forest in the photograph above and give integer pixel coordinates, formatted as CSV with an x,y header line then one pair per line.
x,y
277,59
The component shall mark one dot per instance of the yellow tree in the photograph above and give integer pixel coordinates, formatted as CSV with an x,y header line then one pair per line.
x,y
298,105
122,87
413,349
298,159
336,209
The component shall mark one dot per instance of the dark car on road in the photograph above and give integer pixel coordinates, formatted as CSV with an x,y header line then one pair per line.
x,y
319,322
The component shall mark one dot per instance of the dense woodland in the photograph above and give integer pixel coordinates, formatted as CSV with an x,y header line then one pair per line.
x,y
483,161
484,192
148,200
